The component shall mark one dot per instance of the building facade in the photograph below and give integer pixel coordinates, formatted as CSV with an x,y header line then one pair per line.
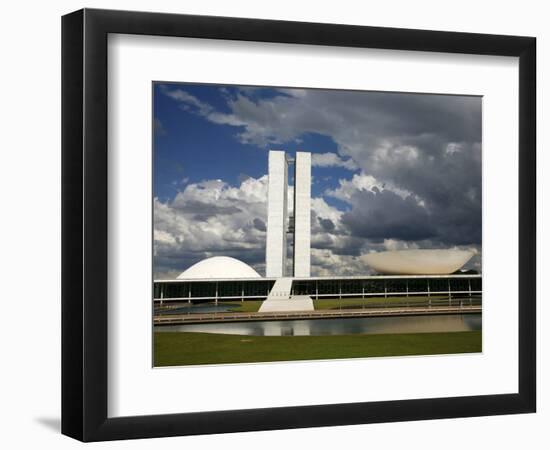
x,y
279,222
302,215
318,288
277,215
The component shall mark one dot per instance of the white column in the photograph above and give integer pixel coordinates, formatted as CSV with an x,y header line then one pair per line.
x,y
302,214
275,252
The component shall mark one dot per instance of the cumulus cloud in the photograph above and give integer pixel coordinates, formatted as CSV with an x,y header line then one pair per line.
x,y
354,120
380,215
416,160
364,183
213,218
187,100
330,159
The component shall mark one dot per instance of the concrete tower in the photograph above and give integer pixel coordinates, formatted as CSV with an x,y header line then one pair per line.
x,y
277,212
302,214
277,215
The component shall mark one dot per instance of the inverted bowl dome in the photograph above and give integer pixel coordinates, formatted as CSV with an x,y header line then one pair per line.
x,y
218,267
418,262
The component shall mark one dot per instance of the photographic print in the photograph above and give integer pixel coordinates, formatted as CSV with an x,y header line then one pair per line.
x,y
304,224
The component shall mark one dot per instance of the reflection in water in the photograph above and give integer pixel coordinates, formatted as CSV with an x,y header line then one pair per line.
x,y
318,327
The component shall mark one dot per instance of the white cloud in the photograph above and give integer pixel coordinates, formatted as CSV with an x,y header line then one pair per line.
x,y
332,160
425,149
209,218
395,244
363,182
187,99
294,92
452,147
324,263
324,210
214,218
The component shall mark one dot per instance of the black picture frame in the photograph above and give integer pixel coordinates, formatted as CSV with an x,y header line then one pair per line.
x,y
84,224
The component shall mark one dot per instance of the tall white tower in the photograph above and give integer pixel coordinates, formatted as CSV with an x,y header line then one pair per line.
x,y
302,214
277,215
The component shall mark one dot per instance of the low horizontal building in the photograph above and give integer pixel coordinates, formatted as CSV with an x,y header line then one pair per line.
x,y
407,273
318,287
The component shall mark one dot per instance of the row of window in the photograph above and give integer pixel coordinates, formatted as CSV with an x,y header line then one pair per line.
x,y
315,287
214,289
412,285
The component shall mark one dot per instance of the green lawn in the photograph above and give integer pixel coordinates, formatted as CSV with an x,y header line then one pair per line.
x,y
345,303
246,306
355,303
173,349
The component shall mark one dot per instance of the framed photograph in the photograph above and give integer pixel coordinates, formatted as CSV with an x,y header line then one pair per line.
x,y
321,224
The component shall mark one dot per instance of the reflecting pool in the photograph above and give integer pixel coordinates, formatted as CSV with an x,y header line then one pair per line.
x,y
336,326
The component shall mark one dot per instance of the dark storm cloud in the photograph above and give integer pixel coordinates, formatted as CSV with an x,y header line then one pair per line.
x,y
427,145
352,117
326,224
449,183
416,161
338,245
449,118
385,215
259,224
430,147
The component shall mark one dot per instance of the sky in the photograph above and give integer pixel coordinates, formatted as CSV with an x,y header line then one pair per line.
x,y
390,171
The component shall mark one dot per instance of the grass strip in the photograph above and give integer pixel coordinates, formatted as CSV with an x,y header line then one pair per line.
x,y
175,349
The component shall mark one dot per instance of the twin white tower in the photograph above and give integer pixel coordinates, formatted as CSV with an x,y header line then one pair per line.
x,y
279,223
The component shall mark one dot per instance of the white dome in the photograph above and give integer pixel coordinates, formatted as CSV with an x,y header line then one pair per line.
x,y
218,267
418,262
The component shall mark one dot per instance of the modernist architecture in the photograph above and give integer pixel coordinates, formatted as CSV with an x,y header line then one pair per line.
x,y
289,287
280,222
218,267
223,288
418,261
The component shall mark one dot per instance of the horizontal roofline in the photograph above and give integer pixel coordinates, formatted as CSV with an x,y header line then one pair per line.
x,y
368,277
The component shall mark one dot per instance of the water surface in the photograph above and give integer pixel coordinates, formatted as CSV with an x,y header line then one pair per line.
x,y
323,327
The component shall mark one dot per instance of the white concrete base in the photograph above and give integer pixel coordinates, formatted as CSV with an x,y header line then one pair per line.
x,y
293,303
280,300
281,289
